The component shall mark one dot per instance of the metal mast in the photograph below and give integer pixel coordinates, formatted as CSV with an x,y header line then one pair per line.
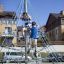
x,y
26,18
25,6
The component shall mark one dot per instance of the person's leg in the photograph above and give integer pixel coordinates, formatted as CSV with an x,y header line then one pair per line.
x,y
35,46
29,45
30,42
35,43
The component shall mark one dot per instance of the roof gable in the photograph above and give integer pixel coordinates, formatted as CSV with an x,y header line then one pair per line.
x,y
8,14
53,17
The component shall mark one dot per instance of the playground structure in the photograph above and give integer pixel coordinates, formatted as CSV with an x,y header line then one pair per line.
x,y
26,18
26,30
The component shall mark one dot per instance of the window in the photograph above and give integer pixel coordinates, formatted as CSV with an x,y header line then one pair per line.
x,y
3,21
8,30
56,31
9,22
13,22
62,21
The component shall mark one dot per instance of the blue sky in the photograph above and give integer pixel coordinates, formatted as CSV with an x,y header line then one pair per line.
x,y
38,9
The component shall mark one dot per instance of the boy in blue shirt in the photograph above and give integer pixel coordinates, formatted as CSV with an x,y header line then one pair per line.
x,y
34,36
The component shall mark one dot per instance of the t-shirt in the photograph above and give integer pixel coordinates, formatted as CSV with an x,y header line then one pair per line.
x,y
34,32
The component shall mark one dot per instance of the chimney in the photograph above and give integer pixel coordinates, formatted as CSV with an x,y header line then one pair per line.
x,y
1,8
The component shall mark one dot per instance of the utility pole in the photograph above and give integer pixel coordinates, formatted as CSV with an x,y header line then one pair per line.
x,y
26,18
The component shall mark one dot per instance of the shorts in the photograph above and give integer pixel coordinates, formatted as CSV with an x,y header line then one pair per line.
x,y
33,42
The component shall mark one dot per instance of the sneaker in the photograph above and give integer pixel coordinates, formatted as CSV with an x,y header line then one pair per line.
x,y
35,53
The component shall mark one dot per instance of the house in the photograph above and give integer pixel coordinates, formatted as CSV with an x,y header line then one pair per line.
x,y
55,27
8,28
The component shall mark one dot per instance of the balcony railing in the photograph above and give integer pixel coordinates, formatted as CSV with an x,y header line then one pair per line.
x,y
8,35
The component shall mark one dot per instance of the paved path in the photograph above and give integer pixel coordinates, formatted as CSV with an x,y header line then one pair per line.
x,y
34,63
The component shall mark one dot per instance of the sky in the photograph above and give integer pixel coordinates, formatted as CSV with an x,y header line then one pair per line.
x,y
38,9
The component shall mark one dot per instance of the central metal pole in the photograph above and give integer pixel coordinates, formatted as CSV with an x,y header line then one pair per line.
x,y
26,18
25,6
25,48
25,10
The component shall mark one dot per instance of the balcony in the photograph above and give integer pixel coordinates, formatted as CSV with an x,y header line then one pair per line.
x,y
9,35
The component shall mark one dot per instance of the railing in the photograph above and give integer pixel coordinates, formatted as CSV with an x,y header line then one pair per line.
x,y
12,34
